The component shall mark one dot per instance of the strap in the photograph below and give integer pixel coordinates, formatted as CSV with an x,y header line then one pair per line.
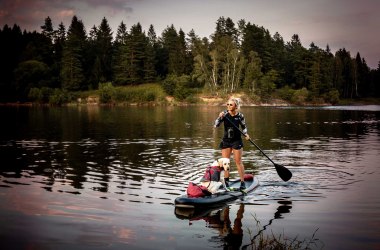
x,y
209,173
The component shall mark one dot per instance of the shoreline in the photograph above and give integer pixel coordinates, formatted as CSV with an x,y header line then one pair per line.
x,y
205,101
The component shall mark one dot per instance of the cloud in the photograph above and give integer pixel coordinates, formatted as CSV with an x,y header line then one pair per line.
x,y
350,24
63,14
30,15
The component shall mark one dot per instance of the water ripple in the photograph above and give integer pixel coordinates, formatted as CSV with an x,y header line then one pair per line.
x,y
159,169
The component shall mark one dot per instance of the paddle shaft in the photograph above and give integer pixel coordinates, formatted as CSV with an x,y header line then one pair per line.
x,y
250,140
260,150
282,171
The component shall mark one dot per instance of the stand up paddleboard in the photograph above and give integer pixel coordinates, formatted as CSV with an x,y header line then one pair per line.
x,y
221,197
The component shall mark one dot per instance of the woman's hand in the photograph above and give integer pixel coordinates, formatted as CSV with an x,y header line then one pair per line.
x,y
221,114
247,137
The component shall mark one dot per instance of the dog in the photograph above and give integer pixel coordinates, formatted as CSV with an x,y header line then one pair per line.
x,y
213,178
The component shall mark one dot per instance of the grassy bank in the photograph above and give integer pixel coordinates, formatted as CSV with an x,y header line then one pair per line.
x,y
154,94
157,94
145,93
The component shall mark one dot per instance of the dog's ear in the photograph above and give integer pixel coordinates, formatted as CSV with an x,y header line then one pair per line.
x,y
223,159
215,163
220,162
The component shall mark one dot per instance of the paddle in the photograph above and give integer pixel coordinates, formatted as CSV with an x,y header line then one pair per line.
x,y
282,171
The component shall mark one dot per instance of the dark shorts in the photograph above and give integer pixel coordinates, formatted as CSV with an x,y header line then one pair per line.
x,y
231,144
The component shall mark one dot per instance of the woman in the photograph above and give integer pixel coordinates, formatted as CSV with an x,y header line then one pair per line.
x,y
232,142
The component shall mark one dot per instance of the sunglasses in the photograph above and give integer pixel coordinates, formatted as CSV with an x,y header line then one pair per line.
x,y
230,104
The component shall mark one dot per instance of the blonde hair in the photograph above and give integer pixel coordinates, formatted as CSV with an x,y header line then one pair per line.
x,y
237,101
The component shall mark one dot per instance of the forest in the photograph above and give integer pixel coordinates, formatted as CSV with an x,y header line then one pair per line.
x,y
52,65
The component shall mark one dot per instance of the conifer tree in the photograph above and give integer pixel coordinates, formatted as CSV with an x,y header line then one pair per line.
x,y
252,72
58,44
327,74
150,56
136,54
104,49
182,54
12,43
72,71
47,29
297,63
120,61
364,81
171,54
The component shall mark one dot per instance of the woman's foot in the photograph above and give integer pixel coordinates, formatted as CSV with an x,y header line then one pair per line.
x,y
242,185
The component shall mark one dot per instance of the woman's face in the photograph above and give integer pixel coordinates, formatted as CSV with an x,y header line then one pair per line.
x,y
231,105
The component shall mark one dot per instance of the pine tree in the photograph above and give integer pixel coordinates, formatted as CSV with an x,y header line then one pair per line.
x,y
47,29
363,79
11,46
136,54
202,61
182,54
259,40
120,60
315,72
121,35
327,73
59,42
225,27
171,54
278,53
345,73
104,45
150,56
297,63
72,71
252,72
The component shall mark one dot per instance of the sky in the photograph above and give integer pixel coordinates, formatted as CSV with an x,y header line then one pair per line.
x,y
350,24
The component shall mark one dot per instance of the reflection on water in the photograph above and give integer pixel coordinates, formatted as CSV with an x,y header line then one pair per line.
x,y
229,226
101,174
229,230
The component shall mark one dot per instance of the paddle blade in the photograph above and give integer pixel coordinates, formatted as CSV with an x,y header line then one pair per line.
x,y
283,172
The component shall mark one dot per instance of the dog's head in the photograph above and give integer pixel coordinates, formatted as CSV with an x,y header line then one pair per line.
x,y
224,163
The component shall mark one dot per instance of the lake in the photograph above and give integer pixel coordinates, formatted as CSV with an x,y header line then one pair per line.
x,y
93,177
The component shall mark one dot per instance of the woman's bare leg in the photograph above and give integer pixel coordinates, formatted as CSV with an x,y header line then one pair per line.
x,y
226,153
239,164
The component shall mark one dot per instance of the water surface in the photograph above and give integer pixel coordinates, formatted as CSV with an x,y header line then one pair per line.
x,y
106,177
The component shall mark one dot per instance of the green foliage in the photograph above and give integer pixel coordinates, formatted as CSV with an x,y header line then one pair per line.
x,y
178,86
332,96
181,92
40,95
30,74
58,97
300,96
106,92
104,50
49,95
130,94
234,58
141,93
267,85
286,93
252,72
35,95
174,51
169,84
73,57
